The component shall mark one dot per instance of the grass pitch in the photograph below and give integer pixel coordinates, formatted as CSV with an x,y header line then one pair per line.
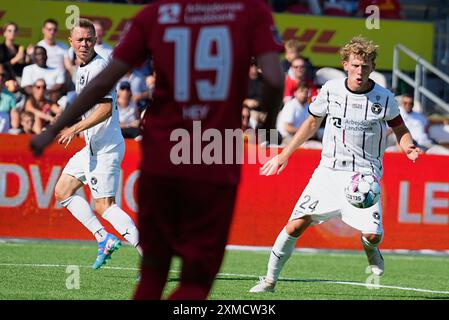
x,y
43,269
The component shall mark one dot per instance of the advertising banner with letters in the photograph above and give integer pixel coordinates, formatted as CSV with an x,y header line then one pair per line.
x,y
415,199
320,36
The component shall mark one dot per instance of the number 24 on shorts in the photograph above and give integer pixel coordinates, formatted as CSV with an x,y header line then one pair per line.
x,y
308,203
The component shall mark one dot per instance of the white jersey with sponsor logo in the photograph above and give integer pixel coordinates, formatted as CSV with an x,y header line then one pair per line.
x,y
104,136
355,131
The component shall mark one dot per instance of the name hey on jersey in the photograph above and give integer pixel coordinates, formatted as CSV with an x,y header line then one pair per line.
x,y
213,146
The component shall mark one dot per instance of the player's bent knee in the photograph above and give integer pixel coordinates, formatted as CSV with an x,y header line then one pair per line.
x,y
103,204
296,227
373,239
66,187
62,192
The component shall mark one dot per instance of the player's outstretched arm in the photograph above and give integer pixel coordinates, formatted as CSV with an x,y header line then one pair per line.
x,y
406,143
90,96
278,162
305,132
101,113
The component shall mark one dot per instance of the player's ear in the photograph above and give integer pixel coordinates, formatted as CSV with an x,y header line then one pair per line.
x,y
344,63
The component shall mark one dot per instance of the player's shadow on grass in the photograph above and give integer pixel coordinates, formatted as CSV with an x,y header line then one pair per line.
x,y
436,298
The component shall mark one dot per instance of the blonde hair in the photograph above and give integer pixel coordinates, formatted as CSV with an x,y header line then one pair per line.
x,y
361,47
292,44
84,23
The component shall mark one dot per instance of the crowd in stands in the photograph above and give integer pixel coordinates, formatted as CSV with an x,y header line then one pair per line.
x,y
389,9
37,82
36,85
302,84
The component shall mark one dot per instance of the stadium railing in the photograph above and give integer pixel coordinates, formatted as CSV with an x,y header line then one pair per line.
x,y
420,78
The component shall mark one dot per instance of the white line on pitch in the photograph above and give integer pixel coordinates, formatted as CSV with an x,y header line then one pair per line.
x,y
239,275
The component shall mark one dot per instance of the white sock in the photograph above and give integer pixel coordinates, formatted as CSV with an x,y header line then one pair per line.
x,y
280,253
123,224
81,210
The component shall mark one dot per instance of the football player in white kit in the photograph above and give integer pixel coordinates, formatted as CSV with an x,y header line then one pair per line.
x,y
98,163
357,111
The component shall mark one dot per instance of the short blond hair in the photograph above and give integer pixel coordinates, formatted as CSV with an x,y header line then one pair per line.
x,y
361,47
84,23
293,44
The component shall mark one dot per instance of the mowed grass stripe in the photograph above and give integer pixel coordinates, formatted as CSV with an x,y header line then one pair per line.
x,y
30,272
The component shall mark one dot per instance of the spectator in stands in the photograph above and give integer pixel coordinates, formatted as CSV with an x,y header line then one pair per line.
x,y
246,115
13,87
27,123
440,134
13,56
299,75
129,115
45,111
416,122
389,9
54,79
141,94
101,47
343,8
9,116
253,98
292,50
293,113
150,81
57,52
304,7
299,7
254,87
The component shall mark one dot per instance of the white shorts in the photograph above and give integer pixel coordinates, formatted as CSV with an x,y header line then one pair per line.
x,y
324,198
101,172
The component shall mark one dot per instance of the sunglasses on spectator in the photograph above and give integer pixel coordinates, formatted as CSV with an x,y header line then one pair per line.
x,y
298,66
40,87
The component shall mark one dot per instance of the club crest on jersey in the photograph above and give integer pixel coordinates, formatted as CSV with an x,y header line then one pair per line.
x,y
169,13
93,181
82,80
376,108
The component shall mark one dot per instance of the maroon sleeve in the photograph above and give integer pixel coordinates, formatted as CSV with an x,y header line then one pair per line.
x,y
265,36
395,122
132,48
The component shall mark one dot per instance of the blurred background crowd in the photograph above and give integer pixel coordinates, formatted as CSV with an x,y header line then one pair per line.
x,y
37,82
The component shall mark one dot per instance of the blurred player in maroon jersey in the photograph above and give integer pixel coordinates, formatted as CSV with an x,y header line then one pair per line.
x,y
201,52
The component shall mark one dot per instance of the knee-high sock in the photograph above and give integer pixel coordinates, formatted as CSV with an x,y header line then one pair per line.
x,y
81,210
121,221
280,253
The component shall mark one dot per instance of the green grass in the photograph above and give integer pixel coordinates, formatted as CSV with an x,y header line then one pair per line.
x,y
37,270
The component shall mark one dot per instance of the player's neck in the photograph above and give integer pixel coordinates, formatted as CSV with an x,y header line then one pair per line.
x,y
88,59
353,88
